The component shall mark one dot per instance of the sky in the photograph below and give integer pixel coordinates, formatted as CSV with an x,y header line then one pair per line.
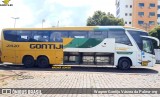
x,y
54,12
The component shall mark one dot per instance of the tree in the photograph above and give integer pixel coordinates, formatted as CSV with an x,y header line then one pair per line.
x,y
103,19
155,33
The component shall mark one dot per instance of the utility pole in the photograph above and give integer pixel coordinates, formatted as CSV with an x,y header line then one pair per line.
x,y
43,20
15,18
58,24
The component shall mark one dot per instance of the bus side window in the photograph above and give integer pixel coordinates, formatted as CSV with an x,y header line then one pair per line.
x,y
97,34
23,36
78,34
10,35
40,36
105,34
56,37
119,35
64,34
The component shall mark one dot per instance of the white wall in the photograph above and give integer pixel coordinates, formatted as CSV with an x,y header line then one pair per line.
x,y
123,10
157,54
158,20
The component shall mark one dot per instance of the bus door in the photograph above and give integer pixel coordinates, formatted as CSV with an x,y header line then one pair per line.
x,y
148,58
59,57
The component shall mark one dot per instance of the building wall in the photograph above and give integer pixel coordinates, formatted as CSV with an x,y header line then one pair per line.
x,y
158,13
146,18
125,9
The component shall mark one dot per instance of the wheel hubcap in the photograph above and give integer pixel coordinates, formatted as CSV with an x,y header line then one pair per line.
x,y
28,62
125,64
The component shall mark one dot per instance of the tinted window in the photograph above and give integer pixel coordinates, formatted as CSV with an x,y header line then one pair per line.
x,y
152,5
151,13
40,36
105,34
119,36
141,13
78,34
151,22
140,22
141,4
23,36
57,36
35,36
118,11
10,35
136,36
98,34
148,46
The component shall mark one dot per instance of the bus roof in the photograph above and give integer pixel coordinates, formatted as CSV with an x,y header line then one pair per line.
x,y
134,28
101,28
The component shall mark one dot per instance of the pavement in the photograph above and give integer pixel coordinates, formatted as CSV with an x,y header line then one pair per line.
x,y
16,76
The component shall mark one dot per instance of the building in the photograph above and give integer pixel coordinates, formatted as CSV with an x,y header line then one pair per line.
x,y
158,13
143,14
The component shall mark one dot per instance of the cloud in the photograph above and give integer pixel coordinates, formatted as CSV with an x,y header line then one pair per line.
x,y
67,12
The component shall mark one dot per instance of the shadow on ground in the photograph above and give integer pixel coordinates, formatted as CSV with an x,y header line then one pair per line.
x,y
81,69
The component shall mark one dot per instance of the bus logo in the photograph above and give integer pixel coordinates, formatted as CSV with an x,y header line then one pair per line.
x,y
6,3
46,46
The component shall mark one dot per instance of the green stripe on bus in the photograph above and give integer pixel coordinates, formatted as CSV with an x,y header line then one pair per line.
x,y
83,43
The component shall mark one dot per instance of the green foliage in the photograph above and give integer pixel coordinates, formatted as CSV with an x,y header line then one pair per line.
x,y
155,33
100,18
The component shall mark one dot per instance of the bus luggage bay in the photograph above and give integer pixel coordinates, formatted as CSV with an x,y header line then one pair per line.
x,y
119,46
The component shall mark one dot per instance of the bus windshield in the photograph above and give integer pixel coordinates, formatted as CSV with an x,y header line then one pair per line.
x,y
148,46
136,35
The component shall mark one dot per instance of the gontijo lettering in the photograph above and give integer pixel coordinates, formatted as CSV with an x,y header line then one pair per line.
x,y
46,46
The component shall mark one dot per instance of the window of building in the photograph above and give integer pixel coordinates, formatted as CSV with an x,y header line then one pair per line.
x,y
130,14
151,22
158,6
152,5
126,6
141,5
130,6
141,13
125,22
158,15
126,14
140,22
151,13
118,4
118,11
130,22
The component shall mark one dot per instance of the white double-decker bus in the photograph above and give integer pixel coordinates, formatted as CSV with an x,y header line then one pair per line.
x,y
118,46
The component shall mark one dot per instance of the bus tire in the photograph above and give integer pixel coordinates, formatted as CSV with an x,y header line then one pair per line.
x,y
28,61
124,64
43,62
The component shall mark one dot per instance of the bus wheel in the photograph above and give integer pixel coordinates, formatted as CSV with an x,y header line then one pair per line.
x,y
124,64
43,62
28,61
